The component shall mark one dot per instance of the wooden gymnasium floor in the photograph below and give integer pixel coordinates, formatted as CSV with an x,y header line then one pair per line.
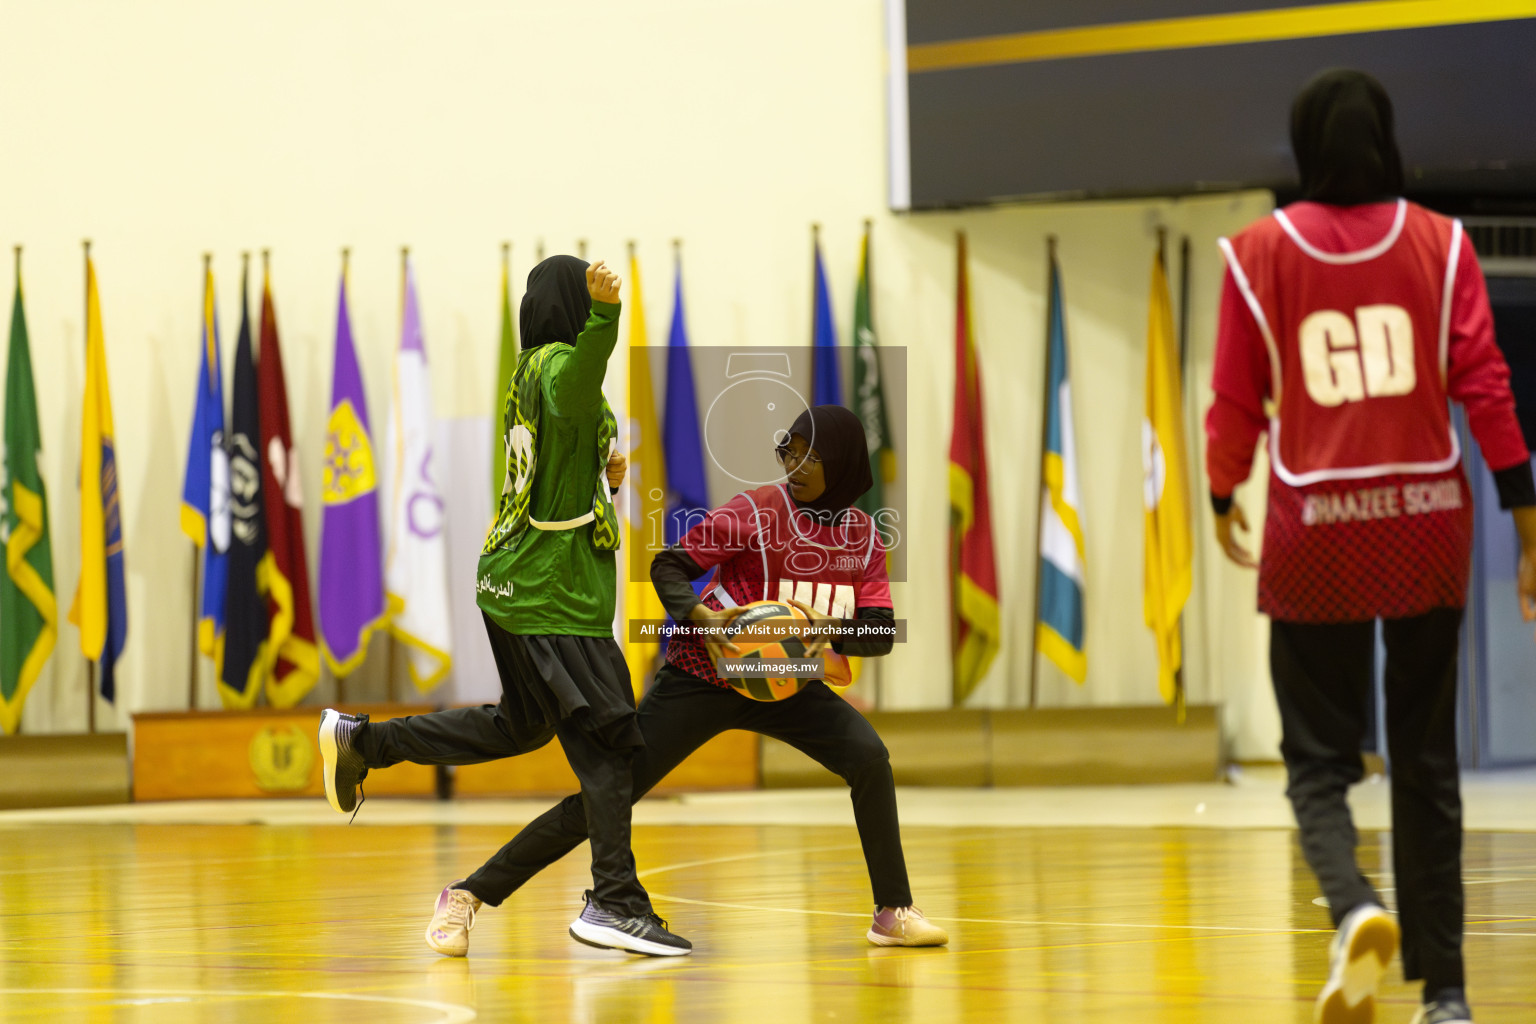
x,y
1164,904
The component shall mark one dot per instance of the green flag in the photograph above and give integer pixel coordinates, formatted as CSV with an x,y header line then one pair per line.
x,y
28,614
504,367
868,395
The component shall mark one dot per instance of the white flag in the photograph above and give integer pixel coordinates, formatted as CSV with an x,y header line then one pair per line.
x,y
416,574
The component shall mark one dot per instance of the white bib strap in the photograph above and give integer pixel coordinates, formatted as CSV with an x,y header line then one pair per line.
x,y
564,524
722,596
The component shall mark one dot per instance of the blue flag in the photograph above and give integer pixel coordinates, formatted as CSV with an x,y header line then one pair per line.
x,y
681,440
205,516
826,376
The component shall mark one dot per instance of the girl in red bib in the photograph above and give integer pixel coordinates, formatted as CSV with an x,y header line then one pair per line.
x,y
1348,322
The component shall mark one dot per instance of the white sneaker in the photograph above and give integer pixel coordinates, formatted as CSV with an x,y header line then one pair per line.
x,y
452,919
1362,948
904,926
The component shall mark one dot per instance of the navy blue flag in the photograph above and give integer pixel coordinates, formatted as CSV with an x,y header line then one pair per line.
x,y
826,376
681,439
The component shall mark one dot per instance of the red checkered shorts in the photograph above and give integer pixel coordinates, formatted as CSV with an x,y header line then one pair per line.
x,y
1354,550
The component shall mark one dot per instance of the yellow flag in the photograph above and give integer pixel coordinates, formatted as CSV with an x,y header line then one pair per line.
x,y
647,483
1165,494
89,610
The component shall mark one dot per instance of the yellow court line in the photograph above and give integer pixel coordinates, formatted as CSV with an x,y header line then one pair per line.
x,y
1212,30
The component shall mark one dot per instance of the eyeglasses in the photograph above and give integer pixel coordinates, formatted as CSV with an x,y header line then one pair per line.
x,y
787,455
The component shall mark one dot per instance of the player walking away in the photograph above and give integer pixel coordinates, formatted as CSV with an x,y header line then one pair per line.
x,y
801,537
546,589
1347,321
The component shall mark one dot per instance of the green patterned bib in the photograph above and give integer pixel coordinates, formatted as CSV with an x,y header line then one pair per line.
x,y
521,418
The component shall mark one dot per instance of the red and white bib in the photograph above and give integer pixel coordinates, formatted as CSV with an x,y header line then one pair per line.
x,y
1357,346
763,549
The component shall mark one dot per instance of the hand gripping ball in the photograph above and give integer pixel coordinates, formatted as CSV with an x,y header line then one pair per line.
x,y
767,629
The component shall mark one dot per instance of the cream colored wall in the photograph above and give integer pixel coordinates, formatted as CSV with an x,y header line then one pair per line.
x,y
161,130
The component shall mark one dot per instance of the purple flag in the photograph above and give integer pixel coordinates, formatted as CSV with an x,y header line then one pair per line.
x,y
351,570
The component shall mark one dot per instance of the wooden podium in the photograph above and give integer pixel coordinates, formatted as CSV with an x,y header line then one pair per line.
x,y
214,755
217,755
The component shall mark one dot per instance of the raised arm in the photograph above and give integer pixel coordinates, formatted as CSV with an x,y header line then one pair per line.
x,y
576,377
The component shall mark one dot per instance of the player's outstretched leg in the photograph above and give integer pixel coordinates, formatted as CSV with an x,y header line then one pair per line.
x,y
826,728
1362,948
643,933
452,918
344,770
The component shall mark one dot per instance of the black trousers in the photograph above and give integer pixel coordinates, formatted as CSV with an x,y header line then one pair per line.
x,y
474,735
1322,675
679,714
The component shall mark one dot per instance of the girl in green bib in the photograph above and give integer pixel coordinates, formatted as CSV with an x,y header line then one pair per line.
x,y
546,589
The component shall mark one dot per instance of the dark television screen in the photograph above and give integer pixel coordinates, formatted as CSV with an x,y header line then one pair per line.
x,y
1156,97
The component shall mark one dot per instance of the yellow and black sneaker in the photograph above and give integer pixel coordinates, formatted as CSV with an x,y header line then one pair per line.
x,y
1362,948
343,770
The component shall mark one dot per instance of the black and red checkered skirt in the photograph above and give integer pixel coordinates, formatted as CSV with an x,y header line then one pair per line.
x,y
1354,550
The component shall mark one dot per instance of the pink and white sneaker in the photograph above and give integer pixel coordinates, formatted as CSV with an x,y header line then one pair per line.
x,y
452,918
905,926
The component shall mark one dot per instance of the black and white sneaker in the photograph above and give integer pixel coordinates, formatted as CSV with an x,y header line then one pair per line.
x,y
1445,1009
343,770
646,934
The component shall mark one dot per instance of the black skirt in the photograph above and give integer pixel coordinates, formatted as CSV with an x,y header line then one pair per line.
x,y
547,679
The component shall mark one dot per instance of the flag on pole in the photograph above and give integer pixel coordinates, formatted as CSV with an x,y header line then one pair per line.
x,y
351,572
973,568
1059,617
869,391
682,442
245,639
100,607
506,364
205,488
647,483
1165,496
417,568
295,660
826,375
28,610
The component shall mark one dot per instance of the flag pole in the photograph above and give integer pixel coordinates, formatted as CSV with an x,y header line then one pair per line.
x,y
1045,425
581,248
90,666
1162,259
815,252
538,251
389,635
1183,357
878,666
629,361
341,680
196,563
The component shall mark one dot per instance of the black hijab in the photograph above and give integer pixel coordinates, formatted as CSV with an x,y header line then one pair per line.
x,y
838,437
1341,133
557,302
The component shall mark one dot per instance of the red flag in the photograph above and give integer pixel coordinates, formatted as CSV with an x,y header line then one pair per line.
x,y
284,573
973,569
